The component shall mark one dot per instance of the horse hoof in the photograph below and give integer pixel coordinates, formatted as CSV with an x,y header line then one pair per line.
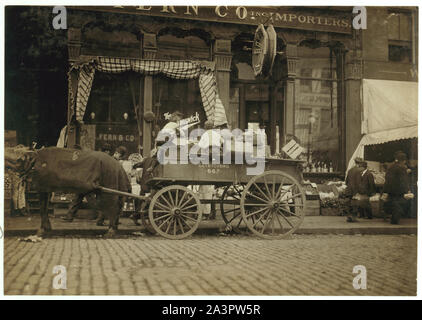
x,y
110,234
42,232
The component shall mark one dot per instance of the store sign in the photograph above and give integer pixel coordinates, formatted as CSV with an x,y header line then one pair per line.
x,y
194,119
315,99
284,17
117,135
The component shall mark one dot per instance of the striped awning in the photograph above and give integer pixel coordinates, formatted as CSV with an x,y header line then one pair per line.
x,y
201,70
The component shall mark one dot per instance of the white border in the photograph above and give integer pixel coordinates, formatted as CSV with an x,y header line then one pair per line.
x,y
198,2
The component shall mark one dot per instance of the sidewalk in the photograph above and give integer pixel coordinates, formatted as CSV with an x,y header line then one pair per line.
x,y
23,226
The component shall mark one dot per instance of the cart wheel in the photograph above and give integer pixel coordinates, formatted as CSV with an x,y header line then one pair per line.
x,y
273,205
230,208
175,212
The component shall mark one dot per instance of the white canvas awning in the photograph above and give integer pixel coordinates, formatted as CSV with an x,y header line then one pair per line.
x,y
390,112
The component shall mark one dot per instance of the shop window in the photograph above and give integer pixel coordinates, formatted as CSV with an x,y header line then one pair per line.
x,y
110,113
316,124
110,100
399,53
399,25
171,95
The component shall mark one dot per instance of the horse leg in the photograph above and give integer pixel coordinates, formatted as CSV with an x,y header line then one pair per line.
x,y
111,205
45,221
99,210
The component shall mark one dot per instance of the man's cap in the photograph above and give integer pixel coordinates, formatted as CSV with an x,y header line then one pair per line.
x,y
122,150
359,160
209,124
177,113
400,156
106,147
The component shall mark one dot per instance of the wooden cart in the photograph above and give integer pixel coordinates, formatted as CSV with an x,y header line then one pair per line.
x,y
271,205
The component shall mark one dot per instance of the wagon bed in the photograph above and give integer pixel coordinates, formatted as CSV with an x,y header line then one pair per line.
x,y
271,204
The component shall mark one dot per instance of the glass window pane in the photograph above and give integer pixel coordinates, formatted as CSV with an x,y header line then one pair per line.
x,y
316,106
170,95
405,27
393,25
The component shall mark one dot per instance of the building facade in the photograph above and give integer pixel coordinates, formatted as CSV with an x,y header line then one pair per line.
x,y
312,95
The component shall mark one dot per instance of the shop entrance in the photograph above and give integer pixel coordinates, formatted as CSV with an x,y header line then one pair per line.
x,y
261,105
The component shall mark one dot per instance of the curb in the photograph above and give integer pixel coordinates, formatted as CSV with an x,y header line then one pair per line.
x,y
213,231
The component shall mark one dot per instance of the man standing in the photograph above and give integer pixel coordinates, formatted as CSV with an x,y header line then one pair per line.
x,y
366,189
352,183
210,139
396,186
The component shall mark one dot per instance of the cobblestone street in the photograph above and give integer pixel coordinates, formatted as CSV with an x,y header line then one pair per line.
x,y
212,265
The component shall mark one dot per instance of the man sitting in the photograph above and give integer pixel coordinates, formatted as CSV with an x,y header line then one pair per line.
x,y
147,165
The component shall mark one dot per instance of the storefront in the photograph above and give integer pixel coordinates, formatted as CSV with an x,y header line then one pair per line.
x,y
390,121
130,66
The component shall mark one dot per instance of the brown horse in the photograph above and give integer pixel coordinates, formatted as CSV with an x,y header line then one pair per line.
x,y
74,171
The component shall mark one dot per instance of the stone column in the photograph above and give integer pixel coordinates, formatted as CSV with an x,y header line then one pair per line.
x,y
291,60
223,58
149,50
353,107
74,45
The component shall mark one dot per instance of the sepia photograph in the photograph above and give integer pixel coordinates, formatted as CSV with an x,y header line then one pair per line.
x,y
210,151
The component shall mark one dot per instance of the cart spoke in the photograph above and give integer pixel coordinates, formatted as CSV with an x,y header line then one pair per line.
x,y
181,224
184,222
235,216
165,199
255,212
256,204
164,207
238,224
289,212
264,224
160,211
252,195
292,197
191,212
171,197
232,210
235,197
174,226
190,198
256,222
187,217
279,222
262,192
285,218
279,188
266,187
191,206
181,199
163,216
294,205
167,220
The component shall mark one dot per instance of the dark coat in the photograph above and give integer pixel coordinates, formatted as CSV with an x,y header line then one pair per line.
x,y
147,163
366,184
396,180
353,180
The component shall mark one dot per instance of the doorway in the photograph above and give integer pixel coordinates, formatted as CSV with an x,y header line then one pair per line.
x,y
261,105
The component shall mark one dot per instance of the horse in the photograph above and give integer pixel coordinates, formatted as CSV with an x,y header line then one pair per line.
x,y
68,170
